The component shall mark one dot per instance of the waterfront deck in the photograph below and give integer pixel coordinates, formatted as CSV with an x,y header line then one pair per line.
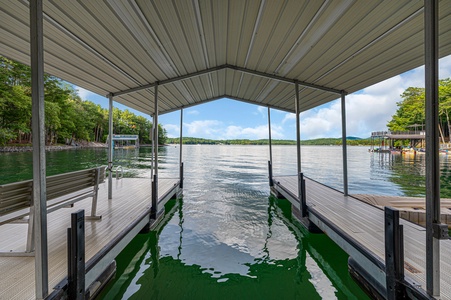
x,y
359,229
120,222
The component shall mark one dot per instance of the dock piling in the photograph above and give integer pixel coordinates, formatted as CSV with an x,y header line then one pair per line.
x,y
271,182
76,256
394,255
302,196
181,175
154,209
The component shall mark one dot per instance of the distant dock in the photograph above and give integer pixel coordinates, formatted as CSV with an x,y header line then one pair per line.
x,y
383,141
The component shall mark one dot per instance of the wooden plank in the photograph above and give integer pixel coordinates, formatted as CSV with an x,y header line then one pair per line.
x,y
364,223
131,197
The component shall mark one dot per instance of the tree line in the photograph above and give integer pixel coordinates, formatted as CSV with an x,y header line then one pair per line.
x,y
68,118
411,110
352,141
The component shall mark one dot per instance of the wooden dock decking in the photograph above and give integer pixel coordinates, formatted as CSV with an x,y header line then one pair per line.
x,y
131,199
364,224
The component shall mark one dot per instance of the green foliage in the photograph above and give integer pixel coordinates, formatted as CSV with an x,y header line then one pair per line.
x,y
67,117
6,135
411,109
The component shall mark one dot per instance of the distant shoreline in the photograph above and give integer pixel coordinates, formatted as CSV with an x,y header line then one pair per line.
x,y
13,149
351,141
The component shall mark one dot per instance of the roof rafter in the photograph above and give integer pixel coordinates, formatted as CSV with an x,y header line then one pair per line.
x,y
231,67
230,98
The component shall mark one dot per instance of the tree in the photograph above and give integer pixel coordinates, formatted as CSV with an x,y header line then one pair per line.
x,y
67,117
411,110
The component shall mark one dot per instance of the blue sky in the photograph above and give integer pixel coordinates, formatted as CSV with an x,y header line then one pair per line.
x,y
367,110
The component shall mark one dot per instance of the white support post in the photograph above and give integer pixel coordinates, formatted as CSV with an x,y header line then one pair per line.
x,y
110,147
432,149
344,144
38,130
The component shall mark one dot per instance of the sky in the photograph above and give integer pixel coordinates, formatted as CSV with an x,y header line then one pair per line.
x,y
367,110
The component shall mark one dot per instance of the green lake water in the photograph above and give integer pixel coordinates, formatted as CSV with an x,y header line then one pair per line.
x,y
227,238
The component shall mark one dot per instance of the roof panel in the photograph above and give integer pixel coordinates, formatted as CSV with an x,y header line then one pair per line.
x,y
109,46
94,32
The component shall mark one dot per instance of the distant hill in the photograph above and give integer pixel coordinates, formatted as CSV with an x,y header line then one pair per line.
x,y
351,140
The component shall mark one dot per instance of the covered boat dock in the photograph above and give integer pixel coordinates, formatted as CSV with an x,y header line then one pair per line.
x,y
162,56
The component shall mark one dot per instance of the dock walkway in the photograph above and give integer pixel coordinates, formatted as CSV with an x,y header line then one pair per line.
x,y
122,219
353,224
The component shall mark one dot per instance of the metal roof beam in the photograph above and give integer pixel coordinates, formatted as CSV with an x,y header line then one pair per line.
x,y
284,79
231,67
170,80
230,98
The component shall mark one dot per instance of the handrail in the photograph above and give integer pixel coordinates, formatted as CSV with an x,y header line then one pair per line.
x,y
121,174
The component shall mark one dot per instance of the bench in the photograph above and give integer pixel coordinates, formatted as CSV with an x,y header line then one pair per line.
x,y
16,199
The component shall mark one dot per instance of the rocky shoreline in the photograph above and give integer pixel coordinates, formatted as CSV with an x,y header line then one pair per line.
x,y
54,147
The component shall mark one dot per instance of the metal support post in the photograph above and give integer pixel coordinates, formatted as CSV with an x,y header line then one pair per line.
x,y
110,147
76,256
153,147
181,176
39,204
271,183
298,140
154,209
344,144
94,198
303,195
271,180
181,148
394,255
434,230
155,134
298,127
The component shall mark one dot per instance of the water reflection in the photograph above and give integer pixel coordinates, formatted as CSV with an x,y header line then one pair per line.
x,y
176,263
229,239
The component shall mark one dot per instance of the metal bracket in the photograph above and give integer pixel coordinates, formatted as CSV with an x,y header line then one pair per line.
x,y
440,231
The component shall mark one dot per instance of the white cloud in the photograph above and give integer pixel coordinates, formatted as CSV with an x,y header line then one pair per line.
x,y
206,128
253,133
288,117
84,94
193,112
214,129
263,111
172,130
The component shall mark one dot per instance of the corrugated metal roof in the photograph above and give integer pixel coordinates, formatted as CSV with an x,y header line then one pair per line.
x,y
112,46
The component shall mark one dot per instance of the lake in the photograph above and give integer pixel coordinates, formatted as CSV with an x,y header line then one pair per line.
x,y
227,238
